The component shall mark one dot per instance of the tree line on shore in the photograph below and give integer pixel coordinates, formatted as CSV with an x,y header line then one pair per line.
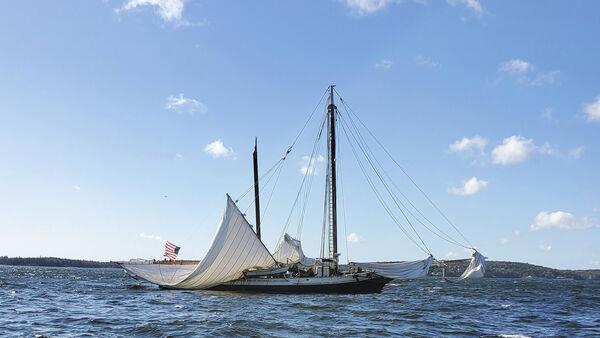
x,y
494,269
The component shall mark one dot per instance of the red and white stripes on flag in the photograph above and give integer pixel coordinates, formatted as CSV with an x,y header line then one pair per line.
x,y
171,251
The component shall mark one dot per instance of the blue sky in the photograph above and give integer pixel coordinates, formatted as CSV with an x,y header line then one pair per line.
x,y
124,123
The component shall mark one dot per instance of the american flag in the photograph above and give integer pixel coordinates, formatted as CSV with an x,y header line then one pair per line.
x,y
171,251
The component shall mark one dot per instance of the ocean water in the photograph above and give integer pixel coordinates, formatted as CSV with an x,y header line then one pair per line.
x,y
104,302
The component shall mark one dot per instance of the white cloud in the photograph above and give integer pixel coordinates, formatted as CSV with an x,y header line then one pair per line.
x,y
386,64
469,187
541,78
170,11
470,146
576,152
185,104
516,66
517,233
548,115
366,7
426,62
310,167
523,73
146,236
217,149
560,220
513,150
545,247
353,237
450,254
76,187
592,110
547,149
473,5
504,241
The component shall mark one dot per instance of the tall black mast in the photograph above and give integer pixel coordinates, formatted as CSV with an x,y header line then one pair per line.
x,y
331,112
256,190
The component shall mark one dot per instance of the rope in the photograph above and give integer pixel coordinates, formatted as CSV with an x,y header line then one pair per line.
x,y
348,108
287,222
385,185
447,237
378,195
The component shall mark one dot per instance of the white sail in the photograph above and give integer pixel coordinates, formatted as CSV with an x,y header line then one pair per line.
x,y
289,251
400,270
476,268
234,249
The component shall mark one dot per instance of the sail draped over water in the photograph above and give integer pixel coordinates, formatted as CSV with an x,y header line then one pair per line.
x,y
289,251
400,270
234,249
476,268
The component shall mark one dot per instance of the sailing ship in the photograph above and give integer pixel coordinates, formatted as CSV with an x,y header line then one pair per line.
x,y
238,260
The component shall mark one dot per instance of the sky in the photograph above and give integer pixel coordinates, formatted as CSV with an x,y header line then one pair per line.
x,y
124,123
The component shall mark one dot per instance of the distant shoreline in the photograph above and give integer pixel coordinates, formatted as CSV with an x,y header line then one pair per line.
x,y
494,269
55,262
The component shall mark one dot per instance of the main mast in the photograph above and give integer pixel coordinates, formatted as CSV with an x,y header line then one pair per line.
x,y
331,164
256,188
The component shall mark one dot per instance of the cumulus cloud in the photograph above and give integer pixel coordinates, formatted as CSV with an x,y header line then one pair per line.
x,y
523,72
576,152
217,149
560,220
425,62
366,7
548,115
353,237
469,187
170,11
146,236
517,149
385,64
311,167
545,247
181,103
469,146
516,66
473,5
513,150
592,110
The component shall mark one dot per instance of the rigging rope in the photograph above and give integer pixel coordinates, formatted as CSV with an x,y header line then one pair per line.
x,y
345,125
444,236
310,163
289,149
378,194
348,108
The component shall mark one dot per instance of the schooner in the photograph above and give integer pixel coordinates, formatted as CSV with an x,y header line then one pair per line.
x,y
238,260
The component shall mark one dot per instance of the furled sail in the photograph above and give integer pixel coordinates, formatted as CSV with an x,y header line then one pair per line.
x,y
289,251
400,270
234,249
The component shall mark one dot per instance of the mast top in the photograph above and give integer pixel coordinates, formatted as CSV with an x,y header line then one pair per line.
x,y
331,103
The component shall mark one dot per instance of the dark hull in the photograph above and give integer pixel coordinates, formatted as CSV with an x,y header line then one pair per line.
x,y
373,285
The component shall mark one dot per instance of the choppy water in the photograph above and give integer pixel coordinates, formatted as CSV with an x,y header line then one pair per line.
x,y
75,302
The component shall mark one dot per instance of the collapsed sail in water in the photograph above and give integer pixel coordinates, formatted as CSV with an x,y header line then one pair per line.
x,y
289,251
476,268
400,270
234,249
